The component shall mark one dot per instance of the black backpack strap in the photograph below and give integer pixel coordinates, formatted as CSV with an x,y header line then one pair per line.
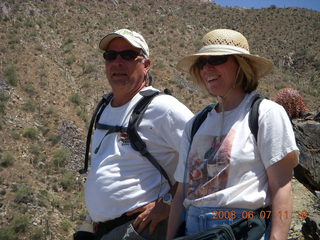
x,y
199,119
135,140
95,117
254,116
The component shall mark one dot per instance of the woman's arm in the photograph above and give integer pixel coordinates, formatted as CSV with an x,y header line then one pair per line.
x,y
175,216
279,179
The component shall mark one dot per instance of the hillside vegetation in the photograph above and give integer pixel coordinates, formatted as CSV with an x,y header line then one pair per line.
x,y
52,75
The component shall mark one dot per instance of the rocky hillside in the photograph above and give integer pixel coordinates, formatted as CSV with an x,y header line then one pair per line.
x,y
51,76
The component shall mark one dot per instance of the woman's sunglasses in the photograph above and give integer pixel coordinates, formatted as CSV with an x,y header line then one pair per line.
x,y
125,55
213,60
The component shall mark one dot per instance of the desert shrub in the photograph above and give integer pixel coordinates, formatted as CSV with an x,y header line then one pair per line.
x,y
89,68
49,110
29,106
68,181
59,157
39,47
29,89
2,108
37,234
6,160
20,223
7,233
82,113
75,98
35,150
24,194
54,139
70,60
292,102
4,97
65,225
30,132
11,75
15,135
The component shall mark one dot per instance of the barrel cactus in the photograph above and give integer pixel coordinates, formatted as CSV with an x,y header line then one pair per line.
x,y
292,102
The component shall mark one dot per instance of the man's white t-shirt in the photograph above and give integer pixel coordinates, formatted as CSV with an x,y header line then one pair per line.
x,y
227,166
120,178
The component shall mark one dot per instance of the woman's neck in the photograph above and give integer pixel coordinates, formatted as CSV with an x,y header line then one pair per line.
x,y
231,101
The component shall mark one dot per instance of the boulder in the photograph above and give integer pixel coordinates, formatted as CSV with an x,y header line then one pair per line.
x,y
311,227
308,140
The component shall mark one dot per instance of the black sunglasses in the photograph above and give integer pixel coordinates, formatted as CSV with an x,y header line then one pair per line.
x,y
126,55
213,60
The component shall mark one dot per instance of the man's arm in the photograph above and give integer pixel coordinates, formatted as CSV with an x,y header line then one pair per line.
x,y
152,213
279,178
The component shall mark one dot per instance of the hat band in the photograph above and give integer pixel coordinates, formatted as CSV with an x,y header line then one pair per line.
x,y
223,48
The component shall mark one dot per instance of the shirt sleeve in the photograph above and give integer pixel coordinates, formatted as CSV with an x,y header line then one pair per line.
x,y
172,123
275,135
181,169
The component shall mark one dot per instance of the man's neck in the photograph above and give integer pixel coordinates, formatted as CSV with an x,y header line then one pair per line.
x,y
120,98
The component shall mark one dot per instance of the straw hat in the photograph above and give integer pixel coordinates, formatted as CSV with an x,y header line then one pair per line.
x,y
229,42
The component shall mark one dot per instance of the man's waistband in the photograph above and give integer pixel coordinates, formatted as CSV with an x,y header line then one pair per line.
x,y
101,228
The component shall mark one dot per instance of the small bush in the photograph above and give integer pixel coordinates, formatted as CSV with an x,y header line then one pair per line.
x,y
7,233
67,48
15,135
35,150
30,132
20,223
39,47
43,198
11,75
7,160
54,139
89,68
49,111
68,181
3,192
59,157
65,225
4,97
29,106
82,113
75,98
86,84
2,108
70,60
24,194
29,89
37,234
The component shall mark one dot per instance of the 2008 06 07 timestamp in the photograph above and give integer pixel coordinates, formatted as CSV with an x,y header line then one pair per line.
x,y
249,214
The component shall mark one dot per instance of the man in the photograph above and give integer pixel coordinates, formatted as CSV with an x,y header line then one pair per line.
x,y
123,188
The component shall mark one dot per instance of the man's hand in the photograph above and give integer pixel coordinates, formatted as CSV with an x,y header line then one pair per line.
x,y
152,213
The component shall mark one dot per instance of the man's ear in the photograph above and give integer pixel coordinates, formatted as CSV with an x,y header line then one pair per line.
x,y
147,63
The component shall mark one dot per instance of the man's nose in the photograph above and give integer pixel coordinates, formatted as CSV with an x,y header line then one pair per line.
x,y
118,59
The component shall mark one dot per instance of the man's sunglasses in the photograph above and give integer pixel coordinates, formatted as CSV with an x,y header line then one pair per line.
x,y
213,60
126,55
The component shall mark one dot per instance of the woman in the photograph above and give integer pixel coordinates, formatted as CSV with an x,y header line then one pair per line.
x,y
229,174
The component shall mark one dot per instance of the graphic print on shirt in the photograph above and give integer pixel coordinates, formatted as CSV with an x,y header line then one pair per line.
x,y
209,162
123,137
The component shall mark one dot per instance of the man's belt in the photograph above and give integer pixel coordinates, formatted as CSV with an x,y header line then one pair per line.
x,y
102,228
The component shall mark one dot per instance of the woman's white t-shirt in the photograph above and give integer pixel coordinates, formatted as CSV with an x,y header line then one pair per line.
x,y
227,166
